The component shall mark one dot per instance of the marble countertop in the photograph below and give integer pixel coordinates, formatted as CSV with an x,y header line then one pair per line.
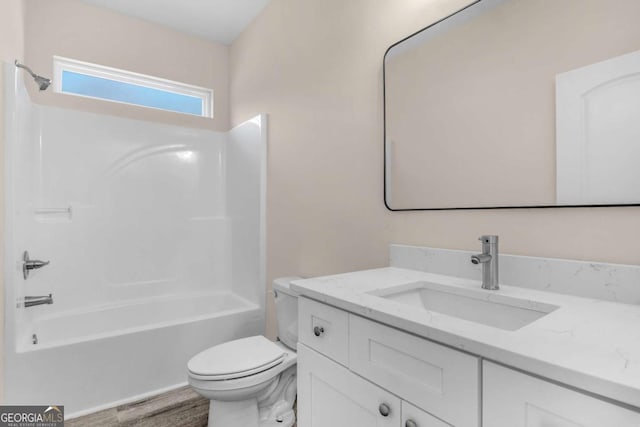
x,y
590,344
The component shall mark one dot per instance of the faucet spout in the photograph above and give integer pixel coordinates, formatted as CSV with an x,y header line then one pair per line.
x,y
30,301
480,259
489,260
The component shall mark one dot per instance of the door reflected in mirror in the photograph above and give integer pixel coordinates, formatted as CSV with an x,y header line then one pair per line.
x,y
516,103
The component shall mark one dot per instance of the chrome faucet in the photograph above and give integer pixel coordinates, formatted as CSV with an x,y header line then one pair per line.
x,y
489,260
31,301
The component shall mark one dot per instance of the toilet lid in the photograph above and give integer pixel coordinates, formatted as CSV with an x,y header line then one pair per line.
x,y
238,358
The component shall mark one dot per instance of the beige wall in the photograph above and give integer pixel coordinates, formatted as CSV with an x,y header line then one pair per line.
x,y
316,68
76,30
11,47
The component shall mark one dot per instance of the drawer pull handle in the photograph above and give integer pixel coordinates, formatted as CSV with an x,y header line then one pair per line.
x,y
318,330
410,423
384,409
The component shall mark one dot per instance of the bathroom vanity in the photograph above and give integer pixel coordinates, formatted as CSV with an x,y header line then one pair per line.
x,y
413,348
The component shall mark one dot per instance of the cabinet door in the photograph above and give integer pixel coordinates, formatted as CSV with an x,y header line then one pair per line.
x,y
324,329
442,381
331,396
513,399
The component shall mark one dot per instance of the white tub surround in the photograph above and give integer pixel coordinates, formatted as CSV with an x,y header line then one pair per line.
x,y
587,343
155,235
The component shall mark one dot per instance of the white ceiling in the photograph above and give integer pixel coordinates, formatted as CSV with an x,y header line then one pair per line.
x,y
217,20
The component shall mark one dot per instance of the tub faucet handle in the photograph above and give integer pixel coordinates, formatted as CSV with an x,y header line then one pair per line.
x,y
31,264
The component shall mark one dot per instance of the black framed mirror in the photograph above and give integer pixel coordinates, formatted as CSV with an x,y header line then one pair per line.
x,y
515,103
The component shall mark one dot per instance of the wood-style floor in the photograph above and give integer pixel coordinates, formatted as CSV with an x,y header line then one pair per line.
x,y
177,408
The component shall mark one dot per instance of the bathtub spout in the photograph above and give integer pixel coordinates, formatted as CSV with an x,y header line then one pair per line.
x,y
31,301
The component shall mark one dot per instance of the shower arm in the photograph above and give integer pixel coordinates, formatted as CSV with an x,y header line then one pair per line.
x,y
42,82
24,67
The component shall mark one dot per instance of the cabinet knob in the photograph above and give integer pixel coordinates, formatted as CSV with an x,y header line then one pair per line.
x,y
384,409
318,330
410,423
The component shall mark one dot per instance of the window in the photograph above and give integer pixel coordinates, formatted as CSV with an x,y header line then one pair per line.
x,y
96,81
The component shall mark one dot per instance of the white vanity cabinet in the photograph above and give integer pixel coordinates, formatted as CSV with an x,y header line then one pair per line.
x,y
325,329
442,381
329,395
355,372
514,399
358,373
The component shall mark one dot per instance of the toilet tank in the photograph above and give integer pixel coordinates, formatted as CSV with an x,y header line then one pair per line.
x,y
286,311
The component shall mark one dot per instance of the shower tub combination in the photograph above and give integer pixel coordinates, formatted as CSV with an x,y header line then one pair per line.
x,y
155,237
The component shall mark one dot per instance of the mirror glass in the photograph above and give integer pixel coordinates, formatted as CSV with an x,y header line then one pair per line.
x,y
516,103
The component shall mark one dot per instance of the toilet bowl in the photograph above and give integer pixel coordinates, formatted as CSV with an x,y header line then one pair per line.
x,y
251,382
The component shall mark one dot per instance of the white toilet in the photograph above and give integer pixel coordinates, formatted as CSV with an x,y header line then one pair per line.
x,y
251,382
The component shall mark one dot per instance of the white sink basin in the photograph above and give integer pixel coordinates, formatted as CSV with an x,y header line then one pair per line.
x,y
481,306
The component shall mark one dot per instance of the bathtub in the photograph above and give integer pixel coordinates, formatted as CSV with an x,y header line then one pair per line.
x,y
95,359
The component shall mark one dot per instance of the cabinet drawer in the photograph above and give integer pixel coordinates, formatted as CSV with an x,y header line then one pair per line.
x,y
443,381
416,417
331,396
324,329
514,399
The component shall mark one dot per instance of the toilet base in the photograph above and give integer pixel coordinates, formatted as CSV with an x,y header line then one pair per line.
x,y
227,414
244,413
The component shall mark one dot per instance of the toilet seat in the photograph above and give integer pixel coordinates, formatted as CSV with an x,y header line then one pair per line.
x,y
226,388
236,359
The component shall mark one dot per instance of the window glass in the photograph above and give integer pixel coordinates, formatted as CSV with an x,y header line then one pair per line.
x,y
97,87
96,81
